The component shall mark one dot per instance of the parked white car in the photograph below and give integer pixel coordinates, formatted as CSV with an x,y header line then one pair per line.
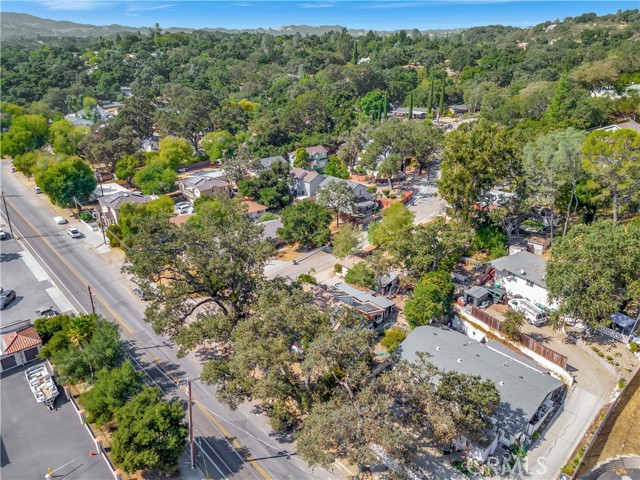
x,y
37,189
60,220
74,233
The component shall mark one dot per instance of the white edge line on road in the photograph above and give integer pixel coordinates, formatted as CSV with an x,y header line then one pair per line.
x,y
59,283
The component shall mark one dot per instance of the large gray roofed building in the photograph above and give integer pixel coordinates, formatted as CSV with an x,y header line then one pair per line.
x,y
524,265
522,388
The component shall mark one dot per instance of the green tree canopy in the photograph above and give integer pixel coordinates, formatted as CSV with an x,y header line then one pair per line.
x,y
594,271
112,389
66,179
151,434
337,196
208,272
26,133
305,222
336,168
431,299
156,177
394,219
302,158
612,160
176,151
219,145
346,240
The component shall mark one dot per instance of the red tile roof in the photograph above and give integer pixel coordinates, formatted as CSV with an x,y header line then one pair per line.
x,y
20,340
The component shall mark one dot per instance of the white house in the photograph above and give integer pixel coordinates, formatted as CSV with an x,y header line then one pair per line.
x,y
523,274
318,156
528,394
109,210
305,182
365,201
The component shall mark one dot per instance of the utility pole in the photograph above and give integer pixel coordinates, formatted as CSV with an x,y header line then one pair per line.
x,y
193,456
93,307
6,211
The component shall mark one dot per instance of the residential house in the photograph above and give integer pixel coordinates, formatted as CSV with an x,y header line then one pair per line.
x,y
107,189
629,124
523,274
387,284
109,210
365,201
112,107
198,185
271,231
318,156
267,162
458,110
78,121
305,182
375,307
151,143
254,209
528,395
417,113
20,344
126,92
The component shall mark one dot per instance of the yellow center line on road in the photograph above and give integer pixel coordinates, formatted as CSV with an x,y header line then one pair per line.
x,y
72,270
204,410
232,439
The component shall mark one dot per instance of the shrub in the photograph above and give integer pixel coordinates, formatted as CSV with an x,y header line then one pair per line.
x,y
47,327
491,241
512,324
360,275
86,216
265,217
306,278
393,338
385,192
634,347
371,189
622,383
392,196
338,268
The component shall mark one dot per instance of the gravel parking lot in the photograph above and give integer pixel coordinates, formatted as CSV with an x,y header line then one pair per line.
x,y
35,438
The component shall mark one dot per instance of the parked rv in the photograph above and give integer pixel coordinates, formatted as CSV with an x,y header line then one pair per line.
x,y
533,314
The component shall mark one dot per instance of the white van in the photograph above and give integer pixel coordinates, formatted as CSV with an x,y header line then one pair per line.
x,y
533,314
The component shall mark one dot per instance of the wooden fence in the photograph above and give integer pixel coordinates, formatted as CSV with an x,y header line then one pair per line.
x,y
525,340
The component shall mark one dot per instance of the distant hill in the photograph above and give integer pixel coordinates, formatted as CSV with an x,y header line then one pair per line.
x,y
21,26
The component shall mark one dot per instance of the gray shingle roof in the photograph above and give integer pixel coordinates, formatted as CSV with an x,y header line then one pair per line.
x,y
364,297
534,267
304,175
267,162
117,199
203,183
521,388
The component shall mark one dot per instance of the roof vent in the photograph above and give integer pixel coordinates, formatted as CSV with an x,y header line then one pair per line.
x,y
459,360
522,272
501,383
437,348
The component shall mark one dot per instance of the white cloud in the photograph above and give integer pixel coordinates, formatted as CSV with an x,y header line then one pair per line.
x,y
317,5
141,7
72,4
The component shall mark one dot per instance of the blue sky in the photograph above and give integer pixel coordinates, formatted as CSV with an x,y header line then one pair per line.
x,y
369,14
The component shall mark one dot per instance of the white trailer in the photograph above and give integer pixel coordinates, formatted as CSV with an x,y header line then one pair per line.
x,y
42,385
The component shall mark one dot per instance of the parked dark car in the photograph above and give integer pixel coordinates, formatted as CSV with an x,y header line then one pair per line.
x,y
46,312
6,297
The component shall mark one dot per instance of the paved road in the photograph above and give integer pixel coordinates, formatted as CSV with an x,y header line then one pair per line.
x,y
237,436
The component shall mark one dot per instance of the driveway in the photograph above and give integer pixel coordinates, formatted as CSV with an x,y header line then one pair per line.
x,y
426,204
320,265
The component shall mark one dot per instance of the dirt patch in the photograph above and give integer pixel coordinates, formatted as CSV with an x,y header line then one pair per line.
x,y
290,252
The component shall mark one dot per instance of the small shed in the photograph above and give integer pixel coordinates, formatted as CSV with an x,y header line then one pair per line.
x,y
538,245
476,296
622,323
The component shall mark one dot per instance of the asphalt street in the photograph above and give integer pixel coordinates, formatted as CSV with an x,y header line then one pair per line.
x,y
240,444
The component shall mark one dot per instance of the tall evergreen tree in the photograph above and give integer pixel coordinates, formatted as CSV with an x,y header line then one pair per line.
x,y
355,53
433,83
441,105
411,106
385,108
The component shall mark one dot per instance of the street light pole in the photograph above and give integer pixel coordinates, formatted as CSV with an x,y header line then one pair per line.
x,y
193,456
